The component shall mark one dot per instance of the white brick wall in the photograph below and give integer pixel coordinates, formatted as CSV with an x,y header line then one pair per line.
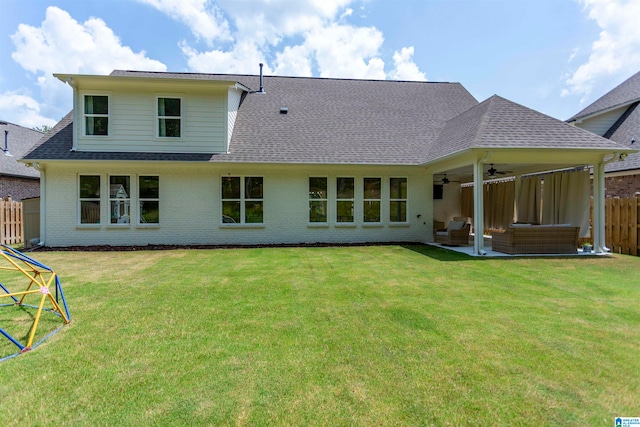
x,y
190,207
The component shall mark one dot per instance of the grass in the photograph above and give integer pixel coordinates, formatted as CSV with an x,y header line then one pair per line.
x,y
384,335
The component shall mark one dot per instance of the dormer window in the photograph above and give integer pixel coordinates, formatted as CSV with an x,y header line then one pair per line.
x,y
96,115
169,117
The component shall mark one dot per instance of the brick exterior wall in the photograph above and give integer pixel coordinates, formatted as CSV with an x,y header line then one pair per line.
x,y
622,186
19,188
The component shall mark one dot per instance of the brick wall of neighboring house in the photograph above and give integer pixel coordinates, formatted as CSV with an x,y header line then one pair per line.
x,y
624,186
19,188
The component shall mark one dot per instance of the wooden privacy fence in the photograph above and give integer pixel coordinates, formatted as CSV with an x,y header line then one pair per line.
x,y
621,225
11,225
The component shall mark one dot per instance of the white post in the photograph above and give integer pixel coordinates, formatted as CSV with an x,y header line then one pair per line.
x,y
478,209
599,243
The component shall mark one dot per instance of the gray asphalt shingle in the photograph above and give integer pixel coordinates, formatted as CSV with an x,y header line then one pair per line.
x,y
20,141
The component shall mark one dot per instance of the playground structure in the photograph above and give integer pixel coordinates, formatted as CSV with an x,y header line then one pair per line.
x,y
43,287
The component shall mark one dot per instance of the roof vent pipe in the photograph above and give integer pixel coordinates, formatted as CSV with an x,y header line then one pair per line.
x,y
261,80
6,144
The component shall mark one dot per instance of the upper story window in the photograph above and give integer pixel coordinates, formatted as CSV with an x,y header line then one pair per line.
x,y
169,117
96,115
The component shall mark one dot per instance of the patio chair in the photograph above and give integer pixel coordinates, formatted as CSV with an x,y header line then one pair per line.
x,y
457,234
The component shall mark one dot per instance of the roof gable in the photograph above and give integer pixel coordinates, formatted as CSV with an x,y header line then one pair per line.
x,y
625,93
500,123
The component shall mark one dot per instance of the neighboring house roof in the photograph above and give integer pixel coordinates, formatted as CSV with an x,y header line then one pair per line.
x,y
628,130
343,121
19,141
625,93
500,123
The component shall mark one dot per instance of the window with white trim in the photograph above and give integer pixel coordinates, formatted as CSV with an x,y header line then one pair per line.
x,y
89,199
398,199
242,200
169,117
149,199
371,199
345,196
119,199
317,199
96,115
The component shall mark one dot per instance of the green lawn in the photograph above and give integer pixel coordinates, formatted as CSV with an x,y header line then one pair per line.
x,y
385,335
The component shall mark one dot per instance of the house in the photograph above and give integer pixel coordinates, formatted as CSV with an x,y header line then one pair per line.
x,y
247,159
16,179
615,116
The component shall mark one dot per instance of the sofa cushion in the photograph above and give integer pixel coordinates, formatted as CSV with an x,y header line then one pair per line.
x,y
455,225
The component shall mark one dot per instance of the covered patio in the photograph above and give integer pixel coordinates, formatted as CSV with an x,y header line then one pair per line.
x,y
552,170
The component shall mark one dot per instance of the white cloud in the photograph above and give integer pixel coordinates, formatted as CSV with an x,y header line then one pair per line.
x,y
202,16
22,109
617,50
405,68
63,45
298,38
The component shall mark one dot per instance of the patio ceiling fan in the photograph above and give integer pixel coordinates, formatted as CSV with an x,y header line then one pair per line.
x,y
493,172
446,180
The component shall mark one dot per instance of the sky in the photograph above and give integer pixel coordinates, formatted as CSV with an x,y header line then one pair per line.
x,y
555,56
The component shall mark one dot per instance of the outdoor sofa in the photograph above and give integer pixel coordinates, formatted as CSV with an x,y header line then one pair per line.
x,y
537,239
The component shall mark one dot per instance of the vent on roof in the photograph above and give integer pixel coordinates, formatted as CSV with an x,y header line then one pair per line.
x,y
284,110
261,80
6,144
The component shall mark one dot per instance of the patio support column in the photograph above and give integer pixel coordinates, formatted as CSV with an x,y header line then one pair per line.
x,y
599,244
478,209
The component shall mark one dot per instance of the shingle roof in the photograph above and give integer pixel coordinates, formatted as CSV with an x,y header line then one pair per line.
x,y
500,123
623,94
629,129
328,121
342,121
20,141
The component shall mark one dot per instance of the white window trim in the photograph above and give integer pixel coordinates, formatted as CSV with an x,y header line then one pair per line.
x,y
109,114
353,200
242,200
364,200
406,221
156,124
309,200
79,199
129,199
136,210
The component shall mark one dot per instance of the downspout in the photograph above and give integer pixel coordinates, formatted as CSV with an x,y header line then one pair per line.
x,y
43,204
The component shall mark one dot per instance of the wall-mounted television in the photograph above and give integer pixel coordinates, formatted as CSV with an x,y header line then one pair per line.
x,y
438,189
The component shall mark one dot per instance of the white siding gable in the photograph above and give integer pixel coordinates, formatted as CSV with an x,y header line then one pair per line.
x,y
234,97
133,122
601,123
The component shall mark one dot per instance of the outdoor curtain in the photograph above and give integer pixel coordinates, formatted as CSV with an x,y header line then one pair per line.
x,y
466,201
566,199
529,199
499,199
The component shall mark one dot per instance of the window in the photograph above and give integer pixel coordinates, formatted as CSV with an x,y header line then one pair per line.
x,y
89,196
398,199
242,200
317,199
149,198
372,194
344,199
119,199
96,115
169,117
